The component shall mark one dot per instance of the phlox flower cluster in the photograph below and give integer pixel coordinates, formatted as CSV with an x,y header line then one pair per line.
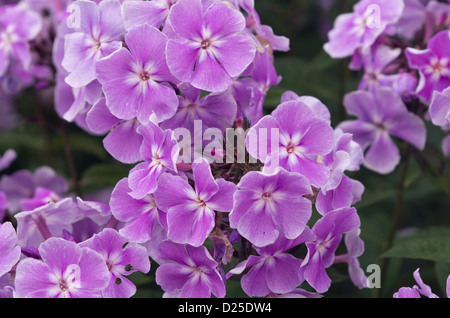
x,y
400,48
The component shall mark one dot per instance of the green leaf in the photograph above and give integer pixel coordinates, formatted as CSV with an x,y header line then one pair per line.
x,y
103,176
442,272
430,244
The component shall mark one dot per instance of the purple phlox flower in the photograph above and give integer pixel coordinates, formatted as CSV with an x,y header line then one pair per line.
x,y
380,114
433,65
328,233
320,109
188,272
122,142
190,211
355,248
341,191
361,28
8,157
42,196
439,112
348,192
215,110
34,227
98,35
153,13
141,216
267,206
421,289
95,217
136,81
66,270
250,92
210,47
292,137
378,63
263,34
22,185
18,26
159,150
439,109
412,19
9,250
159,235
122,259
274,270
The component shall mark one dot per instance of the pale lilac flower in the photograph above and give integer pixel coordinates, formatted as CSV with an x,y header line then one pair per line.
x,y
122,259
361,28
355,248
159,150
268,206
9,250
154,13
211,47
42,196
140,216
319,108
188,272
376,63
18,26
382,113
98,35
36,226
250,91
328,233
217,110
302,138
65,271
6,287
273,270
8,157
136,81
190,212
22,185
122,142
417,291
433,65
3,205
439,109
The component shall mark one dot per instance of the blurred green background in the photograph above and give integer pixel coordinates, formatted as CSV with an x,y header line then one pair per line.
x,y
424,237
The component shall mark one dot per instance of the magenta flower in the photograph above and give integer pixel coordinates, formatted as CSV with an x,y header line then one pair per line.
x,y
302,138
18,26
140,217
136,81
433,65
122,259
188,272
65,271
159,150
98,35
274,270
210,48
9,250
328,233
381,114
190,212
269,206
418,291
361,28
